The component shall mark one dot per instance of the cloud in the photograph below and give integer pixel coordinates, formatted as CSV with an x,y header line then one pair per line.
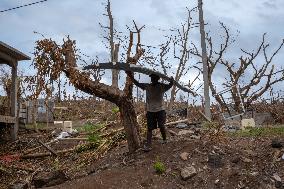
x,y
80,20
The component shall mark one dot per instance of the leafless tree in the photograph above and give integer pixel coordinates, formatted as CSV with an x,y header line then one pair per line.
x,y
180,44
114,48
252,77
51,59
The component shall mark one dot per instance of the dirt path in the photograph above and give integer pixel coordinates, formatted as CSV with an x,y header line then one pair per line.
x,y
242,163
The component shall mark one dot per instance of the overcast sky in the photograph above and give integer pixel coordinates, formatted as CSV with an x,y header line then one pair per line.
x,y
80,19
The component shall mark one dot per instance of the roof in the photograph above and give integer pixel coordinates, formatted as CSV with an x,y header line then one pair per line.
x,y
12,52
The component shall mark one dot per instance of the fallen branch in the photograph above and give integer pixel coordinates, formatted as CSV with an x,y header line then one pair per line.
x,y
203,115
33,149
180,121
48,148
38,155
73,139
111,133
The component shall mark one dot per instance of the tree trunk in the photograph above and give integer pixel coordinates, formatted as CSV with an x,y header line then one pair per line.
x,y
172,99
129,121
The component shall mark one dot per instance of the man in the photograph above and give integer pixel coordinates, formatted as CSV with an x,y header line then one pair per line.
x,y
156,114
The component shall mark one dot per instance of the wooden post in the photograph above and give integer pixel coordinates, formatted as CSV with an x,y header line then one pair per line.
x,y
14,102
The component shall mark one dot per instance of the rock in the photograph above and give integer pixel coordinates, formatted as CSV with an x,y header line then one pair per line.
x,y
236,159
278,181
188,172
276,144
254,173
185,132
196,137
181,125
184,156
19,185
46,179
246,160
217,181
215,160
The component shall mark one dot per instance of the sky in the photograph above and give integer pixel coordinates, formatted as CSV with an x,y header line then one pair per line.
x,y
80,19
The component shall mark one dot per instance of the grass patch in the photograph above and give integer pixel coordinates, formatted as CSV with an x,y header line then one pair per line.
x,y
94,138
159,167
259,131
39,126
89,127
88,146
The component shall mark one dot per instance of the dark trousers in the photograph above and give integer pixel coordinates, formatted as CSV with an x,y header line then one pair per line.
x,y
154,120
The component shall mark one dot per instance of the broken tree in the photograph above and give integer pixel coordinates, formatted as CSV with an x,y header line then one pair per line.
x,y
249,77
52,59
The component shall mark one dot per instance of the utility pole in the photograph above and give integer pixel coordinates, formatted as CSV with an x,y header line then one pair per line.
x,y
204,61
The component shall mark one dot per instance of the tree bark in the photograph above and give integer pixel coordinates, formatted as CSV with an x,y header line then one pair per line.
x,y
129,121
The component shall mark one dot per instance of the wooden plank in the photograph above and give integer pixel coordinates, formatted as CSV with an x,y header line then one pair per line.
x,y
7,119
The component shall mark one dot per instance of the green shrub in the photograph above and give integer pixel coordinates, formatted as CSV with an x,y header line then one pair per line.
x,y
115,110
89,127
159,167
94,138
88,146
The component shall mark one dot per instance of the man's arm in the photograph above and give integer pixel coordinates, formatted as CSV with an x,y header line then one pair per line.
x,y
140,85
168,86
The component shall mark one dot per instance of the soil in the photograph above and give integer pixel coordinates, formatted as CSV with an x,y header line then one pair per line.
x,y
243,163
222,162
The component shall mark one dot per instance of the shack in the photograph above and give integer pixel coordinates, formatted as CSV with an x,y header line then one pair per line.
x,y
11,56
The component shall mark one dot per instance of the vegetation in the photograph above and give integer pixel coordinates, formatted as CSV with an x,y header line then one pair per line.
x,y
259,132
159,167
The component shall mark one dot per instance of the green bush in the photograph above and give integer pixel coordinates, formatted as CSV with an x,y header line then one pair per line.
x,y
115,110
94,138
89,127
159,167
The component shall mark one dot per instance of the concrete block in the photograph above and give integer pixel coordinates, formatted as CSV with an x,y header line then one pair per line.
x,y
247,123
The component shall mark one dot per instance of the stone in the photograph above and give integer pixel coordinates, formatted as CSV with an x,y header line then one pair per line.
x,y
196,137
246,160
181,125
188,172
46,179
184,156
19,185
278,181
254,173
236,159
185,132
276,144
215,160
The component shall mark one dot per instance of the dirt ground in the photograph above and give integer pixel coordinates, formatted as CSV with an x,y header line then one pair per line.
x,y
238,162
244,163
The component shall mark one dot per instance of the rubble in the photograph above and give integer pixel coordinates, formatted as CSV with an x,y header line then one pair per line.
x,y
188,172
46,179
184,156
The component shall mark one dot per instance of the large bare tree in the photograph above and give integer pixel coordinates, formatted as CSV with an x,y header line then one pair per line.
x,y
254,75
179,41
114,47
52,59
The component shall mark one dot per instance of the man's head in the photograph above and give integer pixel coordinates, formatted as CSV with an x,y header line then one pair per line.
x,y
154,78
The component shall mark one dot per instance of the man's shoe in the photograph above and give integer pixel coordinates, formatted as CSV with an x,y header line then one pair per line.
x,y
147,148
